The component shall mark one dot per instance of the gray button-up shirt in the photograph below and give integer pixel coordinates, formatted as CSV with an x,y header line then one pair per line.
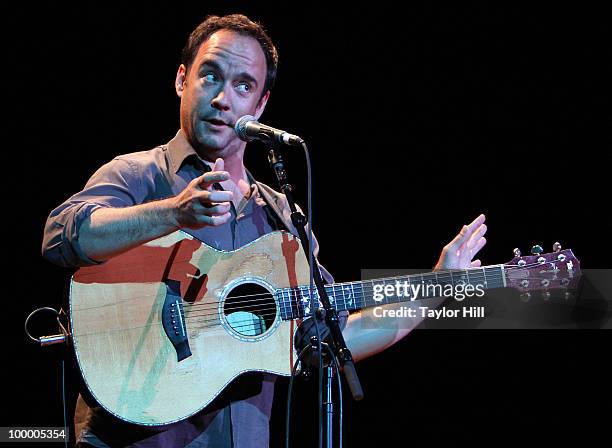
x,y
240,417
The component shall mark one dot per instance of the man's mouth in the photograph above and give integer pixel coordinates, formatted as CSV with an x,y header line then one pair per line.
x,y
216,121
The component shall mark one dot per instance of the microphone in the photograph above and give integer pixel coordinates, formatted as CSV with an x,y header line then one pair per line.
x,y
248,128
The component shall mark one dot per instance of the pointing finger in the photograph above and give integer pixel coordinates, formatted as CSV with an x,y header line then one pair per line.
x,y
219,165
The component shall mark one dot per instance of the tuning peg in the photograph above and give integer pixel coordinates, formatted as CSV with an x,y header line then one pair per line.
x,y
516,252
536,250
557,247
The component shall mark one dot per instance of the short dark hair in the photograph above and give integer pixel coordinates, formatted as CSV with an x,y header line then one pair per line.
x,y
240,24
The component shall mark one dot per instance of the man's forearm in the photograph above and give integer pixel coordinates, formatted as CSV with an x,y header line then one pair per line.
x,y
111,231
366,334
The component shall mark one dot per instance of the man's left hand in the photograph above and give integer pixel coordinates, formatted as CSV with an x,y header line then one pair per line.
x,y
460,252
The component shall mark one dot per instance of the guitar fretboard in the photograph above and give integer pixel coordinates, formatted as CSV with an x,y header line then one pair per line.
x,y
296,302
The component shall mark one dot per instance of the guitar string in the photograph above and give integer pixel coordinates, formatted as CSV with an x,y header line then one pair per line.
x,y
476,272
297,304
216,320
300,310
295,297
236,324
296,307
263,310
473,272
270,312
295,293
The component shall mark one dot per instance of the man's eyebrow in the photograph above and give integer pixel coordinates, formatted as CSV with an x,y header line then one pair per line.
x,y
210,63
242,75
248,77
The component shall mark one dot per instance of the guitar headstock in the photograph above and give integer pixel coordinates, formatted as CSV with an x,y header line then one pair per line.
x,y
555,270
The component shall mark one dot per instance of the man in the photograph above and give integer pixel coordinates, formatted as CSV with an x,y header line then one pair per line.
x,y
228,69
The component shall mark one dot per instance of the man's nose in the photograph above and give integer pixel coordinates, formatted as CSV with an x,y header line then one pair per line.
x,y
220,101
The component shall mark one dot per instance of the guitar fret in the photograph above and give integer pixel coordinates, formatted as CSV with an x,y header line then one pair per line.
x,y
350,300
298,303
306,301
503,273
332,298
290,301
336,303
295,301
384,296
420,291
372,294
282,305
362,294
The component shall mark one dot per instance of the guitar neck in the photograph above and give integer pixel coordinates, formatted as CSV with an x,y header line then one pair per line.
x,y
295,302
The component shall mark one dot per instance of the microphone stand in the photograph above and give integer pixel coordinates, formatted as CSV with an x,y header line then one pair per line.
x,y
337,343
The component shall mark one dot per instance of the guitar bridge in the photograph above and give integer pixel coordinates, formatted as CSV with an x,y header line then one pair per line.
x,y
173,320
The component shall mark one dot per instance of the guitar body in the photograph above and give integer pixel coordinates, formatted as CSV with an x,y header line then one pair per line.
x,y
129,314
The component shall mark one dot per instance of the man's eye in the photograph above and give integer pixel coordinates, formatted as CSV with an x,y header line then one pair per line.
x,y
210,77
243,87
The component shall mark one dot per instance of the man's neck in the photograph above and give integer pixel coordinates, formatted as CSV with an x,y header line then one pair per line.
x,y
234,165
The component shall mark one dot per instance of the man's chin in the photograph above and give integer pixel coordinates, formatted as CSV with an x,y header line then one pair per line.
x,y
212,146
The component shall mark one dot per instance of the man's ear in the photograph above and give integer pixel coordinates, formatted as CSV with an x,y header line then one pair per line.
x,y
179,84
261,105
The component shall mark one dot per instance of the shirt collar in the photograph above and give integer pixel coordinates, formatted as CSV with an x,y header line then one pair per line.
x,y
179,149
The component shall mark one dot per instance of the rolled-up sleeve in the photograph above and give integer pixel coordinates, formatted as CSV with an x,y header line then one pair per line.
x,y
116,184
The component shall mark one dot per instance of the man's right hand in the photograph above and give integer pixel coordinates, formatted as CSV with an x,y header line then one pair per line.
x,y
110,231
200,205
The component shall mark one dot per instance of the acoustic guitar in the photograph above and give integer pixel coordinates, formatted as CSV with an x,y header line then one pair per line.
x,y
164,328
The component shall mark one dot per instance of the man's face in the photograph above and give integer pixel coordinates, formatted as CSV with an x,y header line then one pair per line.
x,y
224,83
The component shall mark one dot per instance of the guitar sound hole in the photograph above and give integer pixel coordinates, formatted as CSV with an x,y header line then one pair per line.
x,y
250,309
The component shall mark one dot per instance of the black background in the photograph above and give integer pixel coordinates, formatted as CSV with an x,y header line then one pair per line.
x,y
417,120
